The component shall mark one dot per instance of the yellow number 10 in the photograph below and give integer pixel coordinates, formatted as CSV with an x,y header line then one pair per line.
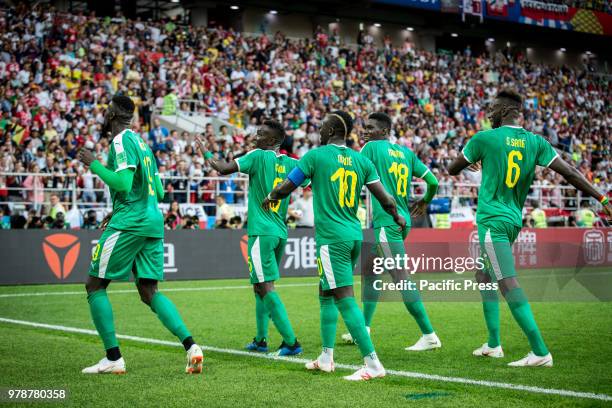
x,y
343,175
514,171
401,174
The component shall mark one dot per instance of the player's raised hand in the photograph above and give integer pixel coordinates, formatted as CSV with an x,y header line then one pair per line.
x,y
201,146
418,209
86,156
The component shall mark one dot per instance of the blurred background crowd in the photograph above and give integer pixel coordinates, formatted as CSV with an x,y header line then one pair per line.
x,y
58,71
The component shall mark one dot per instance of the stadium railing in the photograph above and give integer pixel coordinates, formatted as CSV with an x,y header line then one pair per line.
x,y
195,187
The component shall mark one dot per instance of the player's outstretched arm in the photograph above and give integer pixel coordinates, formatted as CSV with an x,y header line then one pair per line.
x,y
576,179
387,202
224,168
119,181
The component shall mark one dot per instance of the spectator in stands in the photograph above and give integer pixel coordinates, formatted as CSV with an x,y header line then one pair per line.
x,y
585,217
537,216
55,207
90,221
34,188
224,213
302,210
173,217
158,136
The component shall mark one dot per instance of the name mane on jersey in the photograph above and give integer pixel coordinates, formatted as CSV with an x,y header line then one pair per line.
x,y
515,142
280,168
345,160
396,153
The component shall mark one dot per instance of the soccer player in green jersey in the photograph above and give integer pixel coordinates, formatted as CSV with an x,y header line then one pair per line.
x,y
396,165
338,174
508,155
133,240
266,229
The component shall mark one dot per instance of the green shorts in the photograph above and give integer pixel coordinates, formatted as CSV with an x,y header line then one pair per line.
x,y
119,254
496,239
390,241
265,254
336,262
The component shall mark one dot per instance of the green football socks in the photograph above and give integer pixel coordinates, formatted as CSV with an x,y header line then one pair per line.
x,y
169,316
353,318
102,316
517,301
329,320
490,308
277,311
416,308
262,318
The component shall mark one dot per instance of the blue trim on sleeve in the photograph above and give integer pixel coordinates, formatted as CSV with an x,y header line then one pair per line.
x,y
297,176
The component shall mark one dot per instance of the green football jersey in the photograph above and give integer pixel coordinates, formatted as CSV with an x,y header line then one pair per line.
x,y
265,169
396,165
136,211
337,173
509,156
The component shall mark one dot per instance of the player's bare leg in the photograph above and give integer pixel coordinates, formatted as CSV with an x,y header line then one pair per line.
x,y
102,316
539,356
171,319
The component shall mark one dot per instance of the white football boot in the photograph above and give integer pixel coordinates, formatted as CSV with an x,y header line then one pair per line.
x,y
321,364
366,373
194,360
486,351
531,360
349,339
106,366
426,342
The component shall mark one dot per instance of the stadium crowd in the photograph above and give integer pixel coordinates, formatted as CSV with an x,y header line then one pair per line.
x,y
58,72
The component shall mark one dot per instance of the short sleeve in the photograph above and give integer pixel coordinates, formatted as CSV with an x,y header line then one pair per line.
x,y
371,175
473,150
306,163
294,164
246,163
546,153
126,155
418,168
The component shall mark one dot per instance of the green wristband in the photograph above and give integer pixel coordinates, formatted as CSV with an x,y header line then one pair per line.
x,y
208,155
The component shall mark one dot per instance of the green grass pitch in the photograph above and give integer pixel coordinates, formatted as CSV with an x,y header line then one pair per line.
x,y
578,334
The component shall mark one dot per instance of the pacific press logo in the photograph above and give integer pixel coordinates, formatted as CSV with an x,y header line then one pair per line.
x,y
61,253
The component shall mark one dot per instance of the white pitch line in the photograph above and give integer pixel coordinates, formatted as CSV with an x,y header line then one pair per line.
x,y
409,374
119,291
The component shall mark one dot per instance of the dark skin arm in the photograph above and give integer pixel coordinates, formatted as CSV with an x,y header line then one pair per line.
x,y
461,163
576,179
387,202
224,168
279,192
